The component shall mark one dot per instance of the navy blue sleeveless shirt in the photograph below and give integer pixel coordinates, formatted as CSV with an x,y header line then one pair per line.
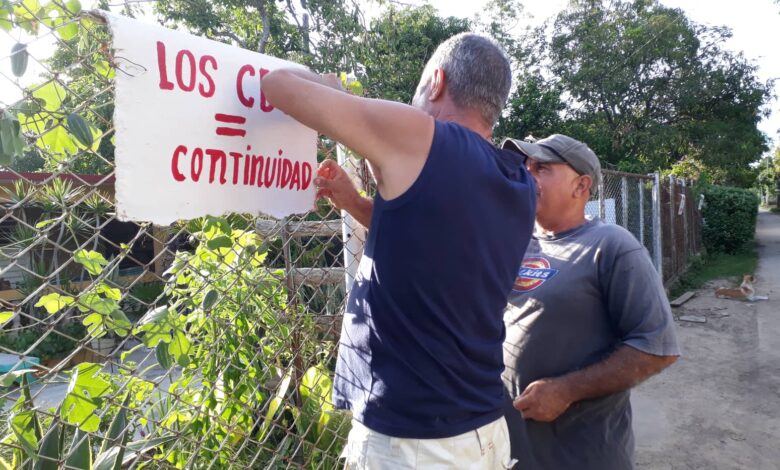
x,y
420,354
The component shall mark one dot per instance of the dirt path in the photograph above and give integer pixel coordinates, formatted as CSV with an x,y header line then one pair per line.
x,y
718,407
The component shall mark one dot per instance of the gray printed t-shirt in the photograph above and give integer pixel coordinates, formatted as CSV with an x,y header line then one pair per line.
x,y
577,297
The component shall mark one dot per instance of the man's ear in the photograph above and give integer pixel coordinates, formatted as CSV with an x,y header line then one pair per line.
x,y
584,183
438,81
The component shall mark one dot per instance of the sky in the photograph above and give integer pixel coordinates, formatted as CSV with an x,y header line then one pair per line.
x,y
755,25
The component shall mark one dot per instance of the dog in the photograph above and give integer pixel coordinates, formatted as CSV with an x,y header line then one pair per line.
x,y
744,292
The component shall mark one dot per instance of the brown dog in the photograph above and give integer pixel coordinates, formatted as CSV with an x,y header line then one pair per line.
x,y
744,292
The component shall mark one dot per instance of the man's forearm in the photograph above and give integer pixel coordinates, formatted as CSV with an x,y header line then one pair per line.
x,y
623,369
361,209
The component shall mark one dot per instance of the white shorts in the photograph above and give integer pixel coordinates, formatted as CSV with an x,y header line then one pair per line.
x,y
484,448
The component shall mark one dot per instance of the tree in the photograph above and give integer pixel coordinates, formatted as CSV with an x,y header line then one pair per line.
x,y
319,33
400,42
646,87
768,180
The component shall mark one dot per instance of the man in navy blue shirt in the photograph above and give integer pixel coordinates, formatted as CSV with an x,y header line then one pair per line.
x,y
420,352
587,318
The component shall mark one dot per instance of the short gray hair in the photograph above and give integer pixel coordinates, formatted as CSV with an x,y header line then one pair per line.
x,y
477,73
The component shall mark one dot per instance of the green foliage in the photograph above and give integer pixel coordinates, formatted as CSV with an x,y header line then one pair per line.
x,y
645,87
56,343
711,266
401,42
729,218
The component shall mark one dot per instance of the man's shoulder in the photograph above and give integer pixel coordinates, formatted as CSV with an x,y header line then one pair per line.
x,y
613,237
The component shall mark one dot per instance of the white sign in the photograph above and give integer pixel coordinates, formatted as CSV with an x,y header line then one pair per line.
x,y
195,134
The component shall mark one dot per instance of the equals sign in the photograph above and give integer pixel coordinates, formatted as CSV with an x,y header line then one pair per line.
x,y
230,119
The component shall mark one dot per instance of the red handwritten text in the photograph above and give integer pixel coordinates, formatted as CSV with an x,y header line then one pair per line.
x,y
241,168
188,71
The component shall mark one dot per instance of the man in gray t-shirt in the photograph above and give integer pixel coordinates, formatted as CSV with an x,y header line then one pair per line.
x,y
587,320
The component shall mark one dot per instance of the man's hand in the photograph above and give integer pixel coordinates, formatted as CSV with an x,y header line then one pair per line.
x,y
334,184
543,400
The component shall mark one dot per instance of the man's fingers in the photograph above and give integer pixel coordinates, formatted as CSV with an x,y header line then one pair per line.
x,y
522,403
327,168
323,183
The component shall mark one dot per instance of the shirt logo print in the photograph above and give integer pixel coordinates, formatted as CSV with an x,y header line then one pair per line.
x,y
533,273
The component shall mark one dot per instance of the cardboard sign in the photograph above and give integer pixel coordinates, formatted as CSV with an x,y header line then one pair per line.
x,y
194,133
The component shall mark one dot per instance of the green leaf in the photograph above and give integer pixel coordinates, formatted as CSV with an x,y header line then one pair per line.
x,y
118,322
5,23
143,446
92,261
179,348
274,405
85,391
163,356
52,93
44,223
89,303
94,324
80,129
80,457
109,459
210,299
11,142
57,141
118,428
49,450
5,317
125,354
110,292
27,430
221,241
54,302
113,448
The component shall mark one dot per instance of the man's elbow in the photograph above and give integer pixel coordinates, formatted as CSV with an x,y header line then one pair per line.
x,y
662,362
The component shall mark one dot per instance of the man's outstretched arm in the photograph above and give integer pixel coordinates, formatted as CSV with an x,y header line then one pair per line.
x,y
394,137
626,367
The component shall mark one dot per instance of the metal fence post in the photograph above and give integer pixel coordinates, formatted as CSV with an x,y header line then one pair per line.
x,y
657,242
672,234
641,188
353,234
602,208
624,200
686,238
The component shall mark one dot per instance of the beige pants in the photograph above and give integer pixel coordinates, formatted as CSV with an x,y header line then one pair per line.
x,y
484,448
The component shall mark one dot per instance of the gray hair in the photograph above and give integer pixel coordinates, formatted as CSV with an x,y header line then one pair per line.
x,y
477,73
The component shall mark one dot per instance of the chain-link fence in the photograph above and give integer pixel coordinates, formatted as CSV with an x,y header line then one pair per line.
x,y
662,215
204,344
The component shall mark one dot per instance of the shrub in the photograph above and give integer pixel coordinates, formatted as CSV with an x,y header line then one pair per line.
x,y
729,218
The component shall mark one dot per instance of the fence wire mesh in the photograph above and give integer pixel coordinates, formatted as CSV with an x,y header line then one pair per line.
x,y
206,344
626,199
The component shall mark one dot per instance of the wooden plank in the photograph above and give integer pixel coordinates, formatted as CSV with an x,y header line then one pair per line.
x,y
319,228
682,299
318,276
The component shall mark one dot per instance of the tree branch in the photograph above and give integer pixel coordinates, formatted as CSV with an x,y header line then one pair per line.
x,y
266,26
227,34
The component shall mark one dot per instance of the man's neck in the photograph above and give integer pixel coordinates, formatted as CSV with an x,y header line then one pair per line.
x,y
553,228
468,119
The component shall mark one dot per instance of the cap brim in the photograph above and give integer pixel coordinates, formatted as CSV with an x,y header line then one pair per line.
x,y
533,151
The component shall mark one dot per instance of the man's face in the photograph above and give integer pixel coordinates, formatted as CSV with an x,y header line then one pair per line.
x,y
556,186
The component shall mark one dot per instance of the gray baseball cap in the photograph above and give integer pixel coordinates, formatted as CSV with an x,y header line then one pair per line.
x,y
559,148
